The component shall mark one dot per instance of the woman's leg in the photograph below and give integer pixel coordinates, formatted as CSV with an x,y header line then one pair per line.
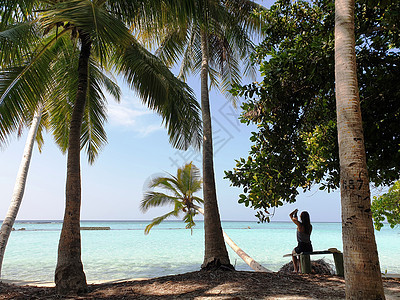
x,y
295,262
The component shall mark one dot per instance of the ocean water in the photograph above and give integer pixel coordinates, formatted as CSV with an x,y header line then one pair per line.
x,y
126,252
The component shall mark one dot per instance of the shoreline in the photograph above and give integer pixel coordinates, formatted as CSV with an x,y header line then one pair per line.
x,y
40,283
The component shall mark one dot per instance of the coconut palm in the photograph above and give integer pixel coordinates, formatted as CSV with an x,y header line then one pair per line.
x,y
182,188
213,41
180,194
101,32
362,270
57,105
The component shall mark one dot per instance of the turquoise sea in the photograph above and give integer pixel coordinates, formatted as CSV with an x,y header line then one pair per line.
x,y
125,252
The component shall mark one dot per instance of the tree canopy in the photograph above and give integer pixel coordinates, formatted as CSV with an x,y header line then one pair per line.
x,y
295,145
34,33
387,206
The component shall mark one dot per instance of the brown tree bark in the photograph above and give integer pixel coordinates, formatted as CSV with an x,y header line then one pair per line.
x,y
362,271
69,275
216,255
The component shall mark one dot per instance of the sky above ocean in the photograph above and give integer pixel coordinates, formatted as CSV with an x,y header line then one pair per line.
x,y
137,150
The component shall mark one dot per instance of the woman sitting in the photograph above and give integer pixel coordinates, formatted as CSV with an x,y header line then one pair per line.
x,y
304,229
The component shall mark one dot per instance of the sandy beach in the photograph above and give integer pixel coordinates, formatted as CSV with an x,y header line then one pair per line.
x,y
204,285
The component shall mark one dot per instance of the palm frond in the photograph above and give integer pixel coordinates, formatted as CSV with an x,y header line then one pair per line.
x,y
23,85
16,42
243,11
171,185
150,15
36,64
93,134
13,11
158,220
156,199
172,45
162,92
64,89
186,182
190,179
188,218
92,19
230,24
198,200
191,60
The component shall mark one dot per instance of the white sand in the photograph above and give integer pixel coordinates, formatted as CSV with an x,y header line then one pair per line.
x,y
51,283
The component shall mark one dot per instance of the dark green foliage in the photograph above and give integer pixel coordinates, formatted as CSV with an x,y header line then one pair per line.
x,y
387,206
294,107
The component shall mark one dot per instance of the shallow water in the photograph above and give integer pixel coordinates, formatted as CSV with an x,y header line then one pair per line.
x,y
125,252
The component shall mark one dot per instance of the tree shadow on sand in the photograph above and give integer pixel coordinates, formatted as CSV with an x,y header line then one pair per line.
x,y
206,285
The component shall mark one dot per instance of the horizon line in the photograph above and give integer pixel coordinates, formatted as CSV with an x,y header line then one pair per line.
x,y
140,220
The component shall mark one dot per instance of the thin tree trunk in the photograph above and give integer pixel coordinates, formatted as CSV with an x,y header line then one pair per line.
x,y
19,187
216,254
69,275
362,270
243,255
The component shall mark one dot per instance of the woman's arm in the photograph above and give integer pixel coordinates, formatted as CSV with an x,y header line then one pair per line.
x,y
293,217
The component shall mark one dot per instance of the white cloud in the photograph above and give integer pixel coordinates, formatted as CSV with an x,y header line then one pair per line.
x,y
125,116
140,120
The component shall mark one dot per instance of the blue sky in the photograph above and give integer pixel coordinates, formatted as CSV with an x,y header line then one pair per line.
x,y
137,149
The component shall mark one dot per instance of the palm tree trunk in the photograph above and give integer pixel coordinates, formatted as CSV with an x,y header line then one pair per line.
x,y
243,255
69,275
362,270
19,187
216,254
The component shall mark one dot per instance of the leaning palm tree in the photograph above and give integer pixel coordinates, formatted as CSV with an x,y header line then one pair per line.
x,y
180,190
361,262
213,41
101,32
19,186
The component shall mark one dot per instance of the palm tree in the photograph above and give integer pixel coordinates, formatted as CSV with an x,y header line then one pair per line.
x,y
56,104
183,186
212,41
19,187
362,270
101,33
93,136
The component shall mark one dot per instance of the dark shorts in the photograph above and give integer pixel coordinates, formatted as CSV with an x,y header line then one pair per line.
x,y
303,247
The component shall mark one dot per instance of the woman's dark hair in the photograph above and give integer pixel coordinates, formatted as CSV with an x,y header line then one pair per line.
x,y
305,221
